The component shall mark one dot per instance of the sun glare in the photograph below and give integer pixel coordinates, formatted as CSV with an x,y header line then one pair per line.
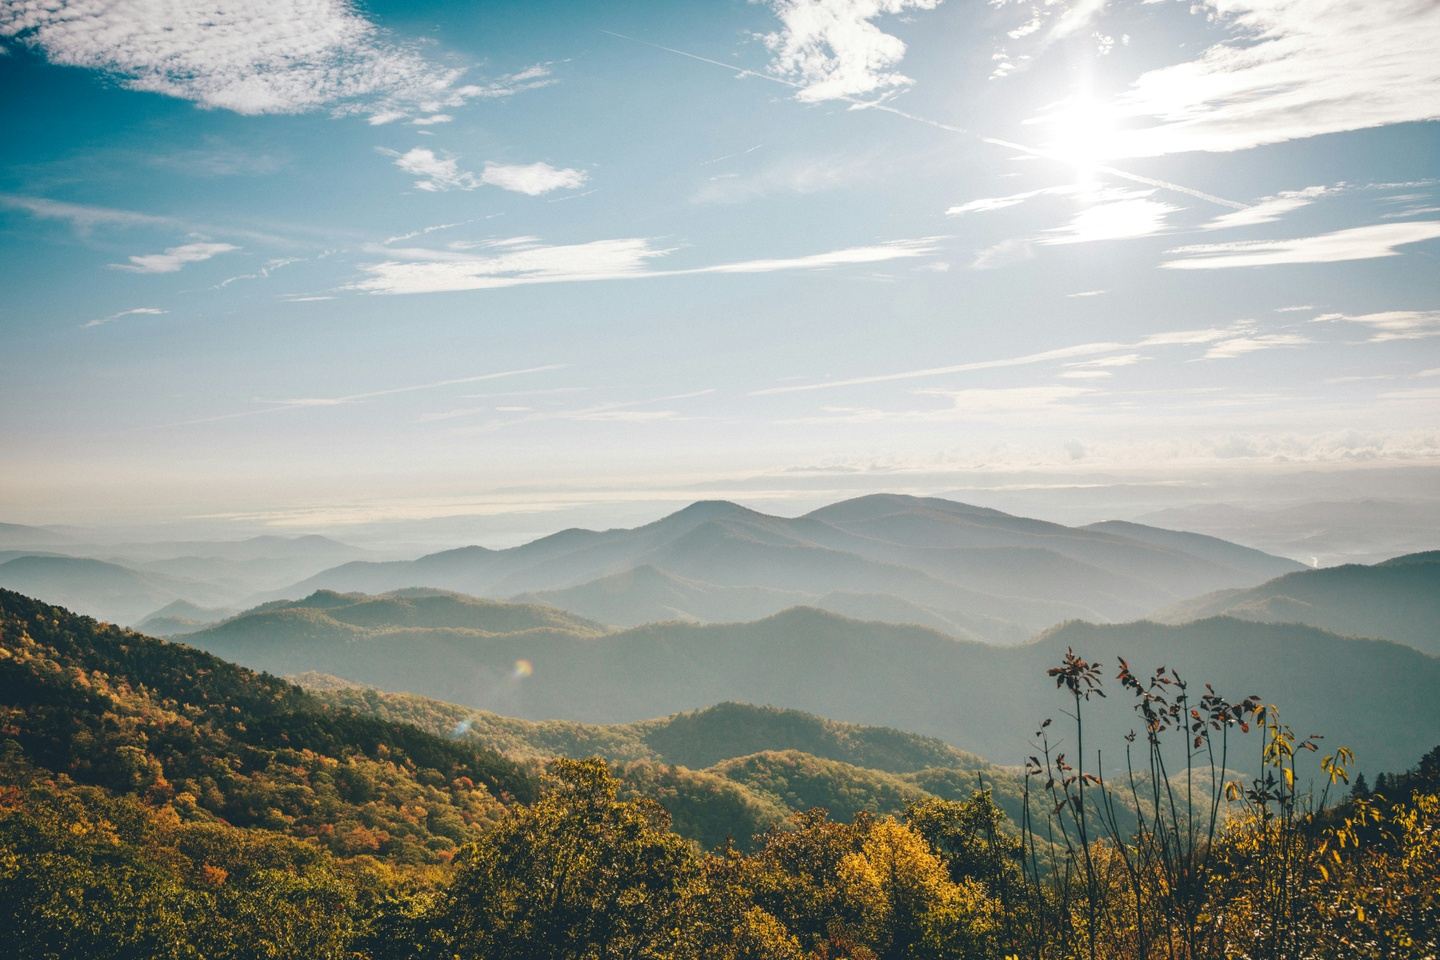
x,y
1082,134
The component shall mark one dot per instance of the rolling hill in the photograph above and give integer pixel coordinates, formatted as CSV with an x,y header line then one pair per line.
x,y
180,617
980,697
1398,600
728,771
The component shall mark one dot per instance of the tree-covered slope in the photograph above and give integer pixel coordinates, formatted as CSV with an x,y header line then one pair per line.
x,y
970,694
213,742
1398,600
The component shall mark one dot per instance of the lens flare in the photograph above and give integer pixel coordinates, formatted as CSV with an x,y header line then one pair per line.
x,y
523,669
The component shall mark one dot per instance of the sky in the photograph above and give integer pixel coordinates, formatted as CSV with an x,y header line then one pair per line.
x,y
478,271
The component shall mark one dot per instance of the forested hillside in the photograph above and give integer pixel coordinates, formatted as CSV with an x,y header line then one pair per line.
x,y
875,673
1398,600
726,772
159,803
210,741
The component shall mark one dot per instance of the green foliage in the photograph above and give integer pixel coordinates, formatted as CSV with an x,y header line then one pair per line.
x,y
578,874
209,740
158,803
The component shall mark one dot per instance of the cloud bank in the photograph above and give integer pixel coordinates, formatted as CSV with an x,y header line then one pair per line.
x,y
832,50
279,56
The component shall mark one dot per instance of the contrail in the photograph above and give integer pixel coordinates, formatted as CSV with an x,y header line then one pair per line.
x,y
939,125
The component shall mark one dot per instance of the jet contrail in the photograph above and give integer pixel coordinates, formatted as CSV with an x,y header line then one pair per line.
x,y
939,125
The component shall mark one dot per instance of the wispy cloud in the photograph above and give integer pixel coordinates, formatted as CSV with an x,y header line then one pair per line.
x,y
175,257
786,175
267,268
1294,69
439,172
83,217
623,411
411,235
987,204
281,56
1239,346
1355,243
1268,209
971,404
832,50
525,260
134,312
301,403
1167,338
1004,253
1391,324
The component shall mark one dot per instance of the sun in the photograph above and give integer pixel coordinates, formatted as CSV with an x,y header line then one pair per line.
x,y
1083,134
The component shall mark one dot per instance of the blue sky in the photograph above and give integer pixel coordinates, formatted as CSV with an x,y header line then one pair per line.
x,y
308,265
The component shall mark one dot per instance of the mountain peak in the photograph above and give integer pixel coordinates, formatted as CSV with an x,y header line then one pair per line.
x,y
873,505
704,511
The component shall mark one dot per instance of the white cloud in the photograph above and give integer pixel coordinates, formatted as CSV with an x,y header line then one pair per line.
x,y
1292,69
431,120
1268,209
532,179
1064,18
832,50
1086,293
1238,346
279,56
175,257
1392,324
436,173
521,261
1119,360
1356,243
513,264
987,204
135,312
1131,216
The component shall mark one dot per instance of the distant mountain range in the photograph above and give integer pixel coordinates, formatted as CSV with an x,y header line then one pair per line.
x,y
129,582
1398,600
1323,533
538,663
106,590
967,570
